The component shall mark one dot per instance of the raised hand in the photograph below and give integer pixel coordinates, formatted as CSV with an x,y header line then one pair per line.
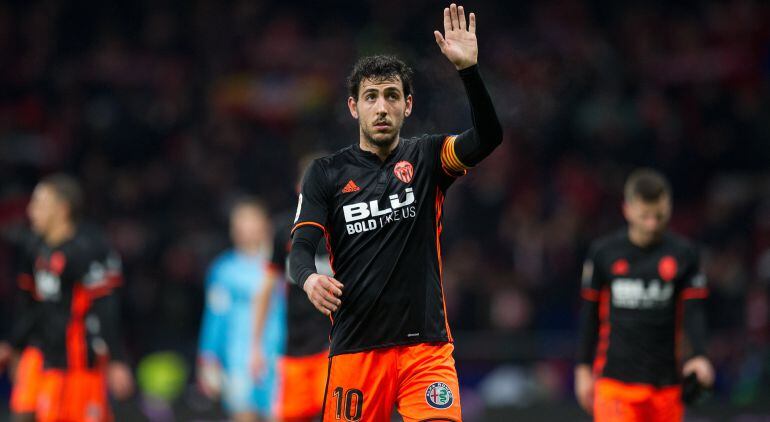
x,y
459,42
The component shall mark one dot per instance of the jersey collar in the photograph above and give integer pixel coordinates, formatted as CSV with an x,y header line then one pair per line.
x,y
372,158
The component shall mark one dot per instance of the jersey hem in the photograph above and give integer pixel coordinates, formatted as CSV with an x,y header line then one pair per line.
x,y
641,383
382,346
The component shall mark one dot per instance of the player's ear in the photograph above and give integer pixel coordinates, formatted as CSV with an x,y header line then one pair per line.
x,y
409,103
352,107
626,210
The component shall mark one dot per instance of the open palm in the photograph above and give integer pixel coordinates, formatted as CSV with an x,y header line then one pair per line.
x,y
459,42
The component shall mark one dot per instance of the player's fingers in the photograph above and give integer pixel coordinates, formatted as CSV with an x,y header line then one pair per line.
x,y
326,302
439,39
334,284
461,18
453,15
472,24
335,288
585,402
319,305
331,286
447,21
331,298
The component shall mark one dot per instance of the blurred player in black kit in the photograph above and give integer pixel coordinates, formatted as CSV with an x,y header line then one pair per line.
x,y
301,374
379,202
642,288
69,317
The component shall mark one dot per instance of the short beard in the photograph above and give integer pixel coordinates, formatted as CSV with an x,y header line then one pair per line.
x,y
382,142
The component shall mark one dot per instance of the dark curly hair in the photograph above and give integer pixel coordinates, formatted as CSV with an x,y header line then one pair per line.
x,y
380,68
646,184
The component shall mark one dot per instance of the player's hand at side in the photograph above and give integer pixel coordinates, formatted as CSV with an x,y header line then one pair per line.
x,y
210,377
458,43
584,388
120,380
702,368
324,292
257,363
6,354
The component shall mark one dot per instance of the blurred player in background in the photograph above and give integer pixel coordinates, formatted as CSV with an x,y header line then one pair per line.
x,y
303,365
69,325
637,285
227,331
379,203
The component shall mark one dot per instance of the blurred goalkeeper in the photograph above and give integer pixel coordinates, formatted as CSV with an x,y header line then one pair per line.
x,y
227,332
642,287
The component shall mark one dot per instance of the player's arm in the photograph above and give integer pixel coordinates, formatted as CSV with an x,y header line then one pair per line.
x,y
25,311
460,46
323,291
312,211
210,339
694,297
262,301
104,283
588,332
24,324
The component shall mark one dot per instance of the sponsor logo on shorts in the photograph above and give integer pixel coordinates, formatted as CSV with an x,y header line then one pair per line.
x,y
439,396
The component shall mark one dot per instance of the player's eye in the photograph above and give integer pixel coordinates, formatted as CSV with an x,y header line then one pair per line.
x,y
370,97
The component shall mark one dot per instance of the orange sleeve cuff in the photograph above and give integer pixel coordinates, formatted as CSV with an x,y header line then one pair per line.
x,y
308,223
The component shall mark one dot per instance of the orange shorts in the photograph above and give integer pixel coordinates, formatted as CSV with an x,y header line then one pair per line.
x,y
616,401
420,380
27,381
73,396
301,382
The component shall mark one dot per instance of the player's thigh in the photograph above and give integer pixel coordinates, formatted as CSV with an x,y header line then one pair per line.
x,y
50,394
429,389
666,405
29,373
361,386
85,396
615,402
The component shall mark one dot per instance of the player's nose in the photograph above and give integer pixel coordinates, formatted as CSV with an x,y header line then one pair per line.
x,y
380,107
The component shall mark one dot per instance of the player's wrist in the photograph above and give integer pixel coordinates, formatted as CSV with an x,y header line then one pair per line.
x,y
308,281
582,368
466,66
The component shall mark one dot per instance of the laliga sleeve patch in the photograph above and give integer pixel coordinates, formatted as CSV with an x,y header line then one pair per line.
x,y
439,396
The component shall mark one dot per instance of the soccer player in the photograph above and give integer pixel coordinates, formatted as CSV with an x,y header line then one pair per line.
x,y
69,274
227,330
301,373
379,202
637,285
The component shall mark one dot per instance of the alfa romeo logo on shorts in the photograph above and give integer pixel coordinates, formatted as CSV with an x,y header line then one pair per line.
x,y
439,396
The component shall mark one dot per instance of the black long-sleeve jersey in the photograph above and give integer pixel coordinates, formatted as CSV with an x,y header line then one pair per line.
x,y
634,300
70,311
382,220
307,329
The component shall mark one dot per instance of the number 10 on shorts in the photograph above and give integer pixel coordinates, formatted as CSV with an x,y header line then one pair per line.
x,y
351,405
